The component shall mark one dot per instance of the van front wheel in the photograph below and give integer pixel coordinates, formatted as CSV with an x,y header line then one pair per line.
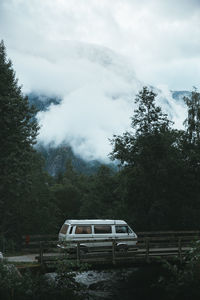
x,y
83,250
122,248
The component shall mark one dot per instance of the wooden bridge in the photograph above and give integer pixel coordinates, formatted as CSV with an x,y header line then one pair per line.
x,y
152,247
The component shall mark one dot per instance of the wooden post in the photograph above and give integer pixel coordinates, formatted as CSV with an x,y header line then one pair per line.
x,y
4,245
78,252
147,249
41,253
113,252
180,249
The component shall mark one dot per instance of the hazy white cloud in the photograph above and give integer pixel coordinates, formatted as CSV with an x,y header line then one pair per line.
x,y
97,87
52,46
157,36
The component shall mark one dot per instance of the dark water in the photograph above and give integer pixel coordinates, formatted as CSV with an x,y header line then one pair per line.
x,y
122,284
126,284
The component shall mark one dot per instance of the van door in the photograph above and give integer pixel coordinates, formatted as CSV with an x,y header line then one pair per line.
x,y
81,233
124,231
103,233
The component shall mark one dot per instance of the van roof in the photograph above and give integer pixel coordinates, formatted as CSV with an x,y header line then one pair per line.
x,y
96,221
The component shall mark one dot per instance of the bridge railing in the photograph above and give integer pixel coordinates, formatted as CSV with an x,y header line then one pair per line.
x,y
31,243
149,244
165,248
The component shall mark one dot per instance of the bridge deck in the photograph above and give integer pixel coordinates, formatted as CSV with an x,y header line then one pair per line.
x,y
152,246
130,258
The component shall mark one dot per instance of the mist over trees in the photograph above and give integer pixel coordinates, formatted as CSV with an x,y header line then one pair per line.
x,y
156,187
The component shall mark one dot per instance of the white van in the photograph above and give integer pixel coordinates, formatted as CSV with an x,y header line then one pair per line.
x,y
99,233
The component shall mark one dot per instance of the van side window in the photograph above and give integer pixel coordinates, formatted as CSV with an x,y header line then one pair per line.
x,y
83,230
122,229
102,229
64,228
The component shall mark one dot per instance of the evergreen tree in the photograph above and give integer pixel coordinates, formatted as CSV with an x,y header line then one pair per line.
x,y
17,135
67,192
150,124
192,122
150,181
190,147
148,118
100,197
39,211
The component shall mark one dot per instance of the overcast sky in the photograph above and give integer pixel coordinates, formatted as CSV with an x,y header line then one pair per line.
x,y
60,46
161,37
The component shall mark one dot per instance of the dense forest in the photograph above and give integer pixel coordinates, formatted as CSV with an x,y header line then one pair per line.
x,y
156,186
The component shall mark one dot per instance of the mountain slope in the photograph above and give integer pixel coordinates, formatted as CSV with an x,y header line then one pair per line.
x,y
57,156
85,94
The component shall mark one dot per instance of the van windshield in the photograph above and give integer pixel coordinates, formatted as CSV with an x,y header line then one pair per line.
x,y
64,228
122,229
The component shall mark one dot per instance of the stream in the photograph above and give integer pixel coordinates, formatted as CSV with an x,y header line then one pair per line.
x,y
123,283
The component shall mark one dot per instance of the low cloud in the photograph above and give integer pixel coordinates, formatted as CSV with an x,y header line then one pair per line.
x,y
77,51
97,87
161,38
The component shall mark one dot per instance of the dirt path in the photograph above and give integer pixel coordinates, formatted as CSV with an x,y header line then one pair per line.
x,y
22,258
27,257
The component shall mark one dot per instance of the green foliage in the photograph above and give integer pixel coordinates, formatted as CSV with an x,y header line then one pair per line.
x,y
18,135
193,120
160,171
65,274
148,118
99,199
151,137
181,280
157,185
7,245
14,286
67,192
159,176
40,212
57,157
